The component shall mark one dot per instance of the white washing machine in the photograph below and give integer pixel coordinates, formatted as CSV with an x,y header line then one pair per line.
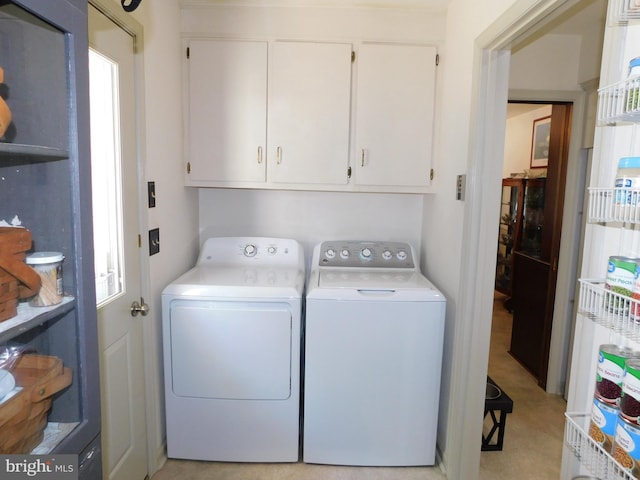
x,y
373,356
232,329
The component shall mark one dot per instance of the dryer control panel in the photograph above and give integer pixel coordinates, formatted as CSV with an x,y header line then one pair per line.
x,y
253,251
361,254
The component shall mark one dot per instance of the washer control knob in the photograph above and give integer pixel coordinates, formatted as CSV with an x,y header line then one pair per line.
x,y
387,254
366,253
402,255
250,250
344,253
330,253
272,250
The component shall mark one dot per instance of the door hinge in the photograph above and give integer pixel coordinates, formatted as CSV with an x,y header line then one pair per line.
x,y
348,173
353,56
188,53
432,174
437,59
188,167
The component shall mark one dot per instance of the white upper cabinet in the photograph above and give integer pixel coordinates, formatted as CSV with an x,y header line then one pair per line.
x,y
278,115
308,113
394,115
226,112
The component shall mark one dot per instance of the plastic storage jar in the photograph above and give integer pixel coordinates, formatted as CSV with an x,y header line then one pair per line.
x,y
49,267
628,177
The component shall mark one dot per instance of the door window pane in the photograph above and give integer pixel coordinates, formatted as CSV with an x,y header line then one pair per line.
x,y
106,175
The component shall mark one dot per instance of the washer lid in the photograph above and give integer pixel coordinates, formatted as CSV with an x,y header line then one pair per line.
x,y
239,282
367,278
372,285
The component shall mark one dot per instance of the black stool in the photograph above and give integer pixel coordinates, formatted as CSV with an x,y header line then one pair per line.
x,y
502,404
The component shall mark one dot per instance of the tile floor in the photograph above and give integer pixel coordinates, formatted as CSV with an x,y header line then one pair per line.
x,y
532,444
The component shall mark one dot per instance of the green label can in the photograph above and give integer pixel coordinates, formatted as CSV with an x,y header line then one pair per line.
x,y
630,396
610,370
621,275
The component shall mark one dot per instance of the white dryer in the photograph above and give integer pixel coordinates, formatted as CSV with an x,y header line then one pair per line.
x,y
231,337
373,354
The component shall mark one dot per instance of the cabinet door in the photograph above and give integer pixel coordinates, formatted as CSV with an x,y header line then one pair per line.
x,y
309,104
394,115
227,111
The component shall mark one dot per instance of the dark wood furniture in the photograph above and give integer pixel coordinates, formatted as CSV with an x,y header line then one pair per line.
x,y
510,226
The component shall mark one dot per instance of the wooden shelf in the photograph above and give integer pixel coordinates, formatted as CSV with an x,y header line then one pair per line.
x,y
33,153
28,317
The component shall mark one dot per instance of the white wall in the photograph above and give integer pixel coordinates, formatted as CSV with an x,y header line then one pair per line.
x,y
532,66
517,142
311,217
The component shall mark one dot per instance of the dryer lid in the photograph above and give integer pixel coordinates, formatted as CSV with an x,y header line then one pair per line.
x,y
241,282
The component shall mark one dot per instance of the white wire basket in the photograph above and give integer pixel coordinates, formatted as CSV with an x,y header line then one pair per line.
x,y
619,102
609,309
623,11
590,453
609,205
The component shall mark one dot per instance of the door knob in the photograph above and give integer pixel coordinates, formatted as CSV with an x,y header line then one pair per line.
x,y
139,308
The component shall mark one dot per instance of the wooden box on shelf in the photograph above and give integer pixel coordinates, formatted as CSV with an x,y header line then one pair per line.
x,y
17,280
23,417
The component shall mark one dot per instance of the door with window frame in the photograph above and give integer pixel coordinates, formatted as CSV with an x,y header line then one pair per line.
x,y
116,206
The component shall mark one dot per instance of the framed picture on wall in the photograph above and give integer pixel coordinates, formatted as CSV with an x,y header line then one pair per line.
x,y
540,142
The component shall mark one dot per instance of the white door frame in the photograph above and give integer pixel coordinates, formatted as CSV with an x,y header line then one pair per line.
x,y
113,11
486,144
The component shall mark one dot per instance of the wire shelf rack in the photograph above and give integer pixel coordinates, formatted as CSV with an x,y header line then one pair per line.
x,y
589,452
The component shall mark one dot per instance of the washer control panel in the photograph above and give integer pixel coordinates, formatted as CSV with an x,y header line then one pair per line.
x,y
345,253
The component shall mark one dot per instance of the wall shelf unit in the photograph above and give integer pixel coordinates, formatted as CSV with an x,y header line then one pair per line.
x,y
46,181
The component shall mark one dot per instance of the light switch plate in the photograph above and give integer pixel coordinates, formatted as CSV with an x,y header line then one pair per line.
x,y
151,193
461,186
154,241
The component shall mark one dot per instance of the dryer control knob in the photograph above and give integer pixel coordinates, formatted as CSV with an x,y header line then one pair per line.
x,y
250,250
272,250
330,253
366,253
402,255
387,254
344,253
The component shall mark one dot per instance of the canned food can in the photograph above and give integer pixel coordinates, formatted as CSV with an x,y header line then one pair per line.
x,y
626,446
630,395
604,418
609,371
621,274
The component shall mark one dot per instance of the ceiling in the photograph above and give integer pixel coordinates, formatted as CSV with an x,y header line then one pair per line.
x,y
429,5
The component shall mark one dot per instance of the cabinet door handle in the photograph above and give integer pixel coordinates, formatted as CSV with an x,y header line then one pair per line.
x,y
279,155
363,154
259,155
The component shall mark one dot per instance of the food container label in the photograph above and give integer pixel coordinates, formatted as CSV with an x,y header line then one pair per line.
x,y
626,449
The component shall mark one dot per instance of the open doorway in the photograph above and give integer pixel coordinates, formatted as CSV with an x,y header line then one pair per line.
x,y
533,186
550,342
